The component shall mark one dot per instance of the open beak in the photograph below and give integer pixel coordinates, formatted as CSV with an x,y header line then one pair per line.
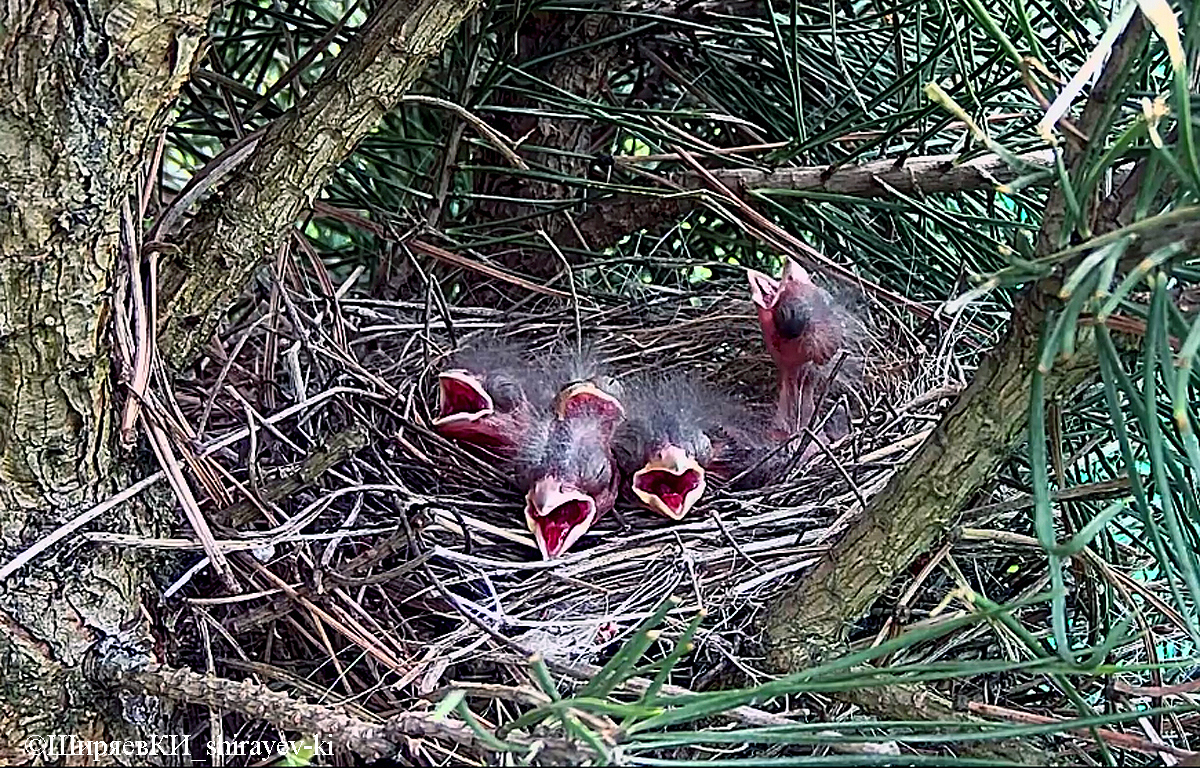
x,y
461,398
793,273
764,291
557,515
584,398
670,483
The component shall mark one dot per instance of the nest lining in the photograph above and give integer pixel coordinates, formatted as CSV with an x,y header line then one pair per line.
x,y
421,542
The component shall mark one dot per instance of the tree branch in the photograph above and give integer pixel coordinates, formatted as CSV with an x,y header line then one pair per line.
x,y
608,220
966,449
240,228
370,740
921,702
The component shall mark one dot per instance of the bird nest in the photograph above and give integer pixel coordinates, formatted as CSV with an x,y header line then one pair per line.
x,y
376,558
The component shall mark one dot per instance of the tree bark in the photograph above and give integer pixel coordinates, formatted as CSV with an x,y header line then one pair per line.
x,y
241,227
85,86
85,93
515,204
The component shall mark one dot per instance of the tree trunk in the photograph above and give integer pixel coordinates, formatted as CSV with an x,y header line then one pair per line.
x,y
515,203
84,90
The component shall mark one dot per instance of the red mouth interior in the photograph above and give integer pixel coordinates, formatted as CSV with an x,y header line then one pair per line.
x,y
670,488
460,397
558,522
585,402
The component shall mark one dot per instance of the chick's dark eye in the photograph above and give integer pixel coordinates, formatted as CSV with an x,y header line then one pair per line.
x,y
792,318
506,394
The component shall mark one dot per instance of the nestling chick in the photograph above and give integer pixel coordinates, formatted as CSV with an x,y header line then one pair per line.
x,y
665,444
679,434
803,329
567,467
490,396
